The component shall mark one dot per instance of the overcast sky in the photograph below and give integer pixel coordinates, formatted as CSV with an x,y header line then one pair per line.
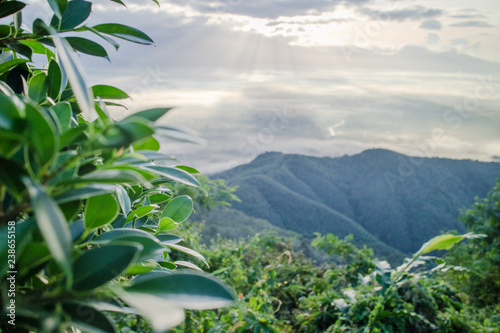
x,y
322,78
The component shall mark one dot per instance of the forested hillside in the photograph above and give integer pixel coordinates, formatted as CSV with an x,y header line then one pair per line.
x,y
391,202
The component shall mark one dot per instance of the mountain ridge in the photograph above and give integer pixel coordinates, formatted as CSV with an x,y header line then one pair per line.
x,y
389,201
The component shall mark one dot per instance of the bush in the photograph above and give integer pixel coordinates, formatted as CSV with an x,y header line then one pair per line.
x,y
87,201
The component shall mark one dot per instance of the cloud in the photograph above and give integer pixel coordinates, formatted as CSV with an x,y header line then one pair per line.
x,y
459,41
464,24
432,38
406,14
431,25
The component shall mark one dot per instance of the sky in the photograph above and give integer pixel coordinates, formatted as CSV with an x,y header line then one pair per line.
x,y
316,77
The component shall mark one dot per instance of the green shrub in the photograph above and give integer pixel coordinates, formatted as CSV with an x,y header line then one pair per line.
x,y
87,202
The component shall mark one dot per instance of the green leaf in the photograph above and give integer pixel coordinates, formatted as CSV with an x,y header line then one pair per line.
x,y
76,13
41,127
74,71
108,92
37,47
179,208
158,198
443,242
90,190
53,227
87,46
124,32
139,212
100,265
38,87
63,113
147,144
151,114
10,7
188,290
166,224
188,169
88,319
54,77
9,64
123,199
169,239
151,245
22,49
178,175
188,251
100,211
112,177
58,6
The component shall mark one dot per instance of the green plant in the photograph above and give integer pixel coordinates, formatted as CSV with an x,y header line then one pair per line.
x,y
87,202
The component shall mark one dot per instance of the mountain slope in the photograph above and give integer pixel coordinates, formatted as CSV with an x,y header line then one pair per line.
x,y
387,200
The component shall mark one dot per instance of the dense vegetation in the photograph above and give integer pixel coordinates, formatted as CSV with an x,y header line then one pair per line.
x,y
391,202
282,290
87,202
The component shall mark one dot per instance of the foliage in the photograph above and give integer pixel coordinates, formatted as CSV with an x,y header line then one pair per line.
x,y
87,202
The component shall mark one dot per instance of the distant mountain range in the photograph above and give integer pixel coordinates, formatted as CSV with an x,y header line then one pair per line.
x,y
391,202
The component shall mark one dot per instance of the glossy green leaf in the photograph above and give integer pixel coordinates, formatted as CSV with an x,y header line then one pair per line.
x,y
124,32
87,319
166,224
74,71
442,242
147,144
41,127
90,190
108,92
37,47
123,199
187,264
158,198
107,39
58,6
100,211
53,227
188,169
87,46
187,290
189,251
179,208
10,7
38,87
21,49
151,114
135,130
139,212
112,177
54,77
9,64
169,239
151,245
102,264
75,14
178,175
63,113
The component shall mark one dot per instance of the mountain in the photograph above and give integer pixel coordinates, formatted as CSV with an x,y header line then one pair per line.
x,y
388,201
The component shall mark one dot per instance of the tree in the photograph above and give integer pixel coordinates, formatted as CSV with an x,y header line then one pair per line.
x,y
87,205
481,256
